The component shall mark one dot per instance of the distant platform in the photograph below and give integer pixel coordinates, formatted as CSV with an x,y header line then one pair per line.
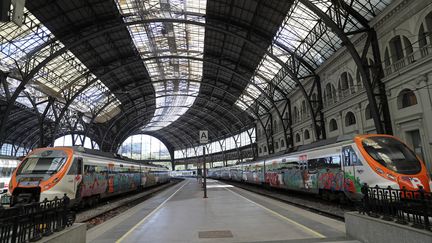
x,y
229,214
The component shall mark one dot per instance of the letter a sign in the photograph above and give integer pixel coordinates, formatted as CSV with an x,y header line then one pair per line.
x,y
203,136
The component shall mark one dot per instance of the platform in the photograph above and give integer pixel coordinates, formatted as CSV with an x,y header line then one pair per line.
x,y
229,214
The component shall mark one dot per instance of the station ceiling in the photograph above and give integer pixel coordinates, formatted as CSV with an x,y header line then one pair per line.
x,y
168,68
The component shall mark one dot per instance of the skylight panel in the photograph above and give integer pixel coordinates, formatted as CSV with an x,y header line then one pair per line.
x,y
168,49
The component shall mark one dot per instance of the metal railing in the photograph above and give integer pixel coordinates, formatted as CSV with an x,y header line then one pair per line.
x,y
30,222
399,205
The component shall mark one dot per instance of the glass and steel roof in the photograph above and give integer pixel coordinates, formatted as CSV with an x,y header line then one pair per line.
x,y
305,35
165,48
167,67
65,75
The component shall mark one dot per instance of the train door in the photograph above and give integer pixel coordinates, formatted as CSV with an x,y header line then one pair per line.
x,y
351,167
74,178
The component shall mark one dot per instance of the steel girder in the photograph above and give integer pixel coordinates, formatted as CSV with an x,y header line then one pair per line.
x,y
381,126
89,37
226,110
310,107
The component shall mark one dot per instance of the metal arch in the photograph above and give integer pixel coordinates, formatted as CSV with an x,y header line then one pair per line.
x,y
34,71
189,137
212,86
218,105
228,70
357,59
90,124
69,102
44,62
78,93
205,100
216,87
176,127
25,121
40,117
27,132
372,42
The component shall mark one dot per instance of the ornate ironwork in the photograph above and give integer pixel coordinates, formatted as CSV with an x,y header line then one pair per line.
x,y
399,205
31,222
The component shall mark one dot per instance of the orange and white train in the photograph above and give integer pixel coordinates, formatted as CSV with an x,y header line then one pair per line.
x,y
83,175
337,169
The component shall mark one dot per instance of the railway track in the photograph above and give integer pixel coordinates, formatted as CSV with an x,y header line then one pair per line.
x,y
109,209
306,201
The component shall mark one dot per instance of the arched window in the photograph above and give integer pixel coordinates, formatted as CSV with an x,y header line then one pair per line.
x,y
333,125
406,98
314,100
306,134
143,146
350,119
265,149
345,82
76,140
276,145
297,137
296,114
303,108
368,113
260,150
282,143
400,46
422,37
328,92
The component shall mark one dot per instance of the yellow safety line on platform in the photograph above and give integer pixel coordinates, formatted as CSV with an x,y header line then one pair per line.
x,y
281,216
150,214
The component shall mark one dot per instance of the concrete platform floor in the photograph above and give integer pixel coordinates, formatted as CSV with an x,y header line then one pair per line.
x,y
229,214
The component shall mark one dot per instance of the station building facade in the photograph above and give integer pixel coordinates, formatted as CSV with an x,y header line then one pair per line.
x,y
404,31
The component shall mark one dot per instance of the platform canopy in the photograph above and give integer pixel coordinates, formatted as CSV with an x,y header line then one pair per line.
x,y
109,69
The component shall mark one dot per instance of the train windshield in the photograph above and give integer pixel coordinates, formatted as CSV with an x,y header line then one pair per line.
x,y
45,162
392,154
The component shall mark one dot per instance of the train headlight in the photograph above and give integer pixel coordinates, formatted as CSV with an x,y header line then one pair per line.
x,y
391,177
379,171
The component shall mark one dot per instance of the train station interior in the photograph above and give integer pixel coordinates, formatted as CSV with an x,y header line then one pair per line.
x,y
216,121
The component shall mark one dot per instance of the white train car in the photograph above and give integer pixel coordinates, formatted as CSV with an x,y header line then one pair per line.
x,y
183,173
340,168
83,175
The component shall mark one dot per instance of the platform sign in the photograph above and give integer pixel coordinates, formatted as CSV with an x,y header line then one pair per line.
x,y
203,136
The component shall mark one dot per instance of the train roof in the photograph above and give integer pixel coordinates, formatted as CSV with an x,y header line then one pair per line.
x,y
109,155
300,148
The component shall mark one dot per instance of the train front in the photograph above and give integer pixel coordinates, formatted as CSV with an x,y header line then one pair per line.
x,y
38,175
393,160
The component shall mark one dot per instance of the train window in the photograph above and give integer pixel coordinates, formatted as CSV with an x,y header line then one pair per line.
x,y
41,165
334,162
74,167
313,164
89,169
392,154
350,157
